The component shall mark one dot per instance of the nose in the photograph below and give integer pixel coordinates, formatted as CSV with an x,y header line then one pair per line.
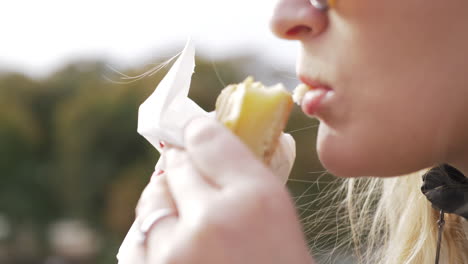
x,y
297,20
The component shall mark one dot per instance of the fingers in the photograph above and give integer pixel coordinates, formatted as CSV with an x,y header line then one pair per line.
x,y
191,189
220,155
130,251
157,198
283,159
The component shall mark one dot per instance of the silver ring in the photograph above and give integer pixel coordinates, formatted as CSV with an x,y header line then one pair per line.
x,y
321,5
151,220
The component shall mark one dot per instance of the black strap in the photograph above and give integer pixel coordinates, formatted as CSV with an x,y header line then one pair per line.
x,y
447,190
441,224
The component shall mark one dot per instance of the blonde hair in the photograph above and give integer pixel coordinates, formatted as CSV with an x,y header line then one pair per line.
x,y
392,222
383,221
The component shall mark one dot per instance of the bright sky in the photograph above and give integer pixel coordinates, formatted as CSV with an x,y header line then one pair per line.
x,y
39,36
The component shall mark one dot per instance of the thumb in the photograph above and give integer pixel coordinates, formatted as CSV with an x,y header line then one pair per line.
x,y
283,159
222,156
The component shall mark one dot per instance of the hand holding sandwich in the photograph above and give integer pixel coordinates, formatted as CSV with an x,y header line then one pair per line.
x,y
225,206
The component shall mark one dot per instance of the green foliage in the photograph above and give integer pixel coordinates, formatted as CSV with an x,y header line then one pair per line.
x,y
69,147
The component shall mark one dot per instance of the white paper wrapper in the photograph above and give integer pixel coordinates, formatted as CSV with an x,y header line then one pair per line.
x,y
163,116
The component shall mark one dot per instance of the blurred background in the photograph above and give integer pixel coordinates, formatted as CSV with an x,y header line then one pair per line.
x,y
72,165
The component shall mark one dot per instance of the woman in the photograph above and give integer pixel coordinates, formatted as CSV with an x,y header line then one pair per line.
x,y
391,89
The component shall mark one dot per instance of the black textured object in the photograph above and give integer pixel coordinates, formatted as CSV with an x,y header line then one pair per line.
x,y
447,189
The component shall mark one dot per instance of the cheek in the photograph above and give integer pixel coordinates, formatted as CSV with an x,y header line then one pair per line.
x,y
394,118
398,110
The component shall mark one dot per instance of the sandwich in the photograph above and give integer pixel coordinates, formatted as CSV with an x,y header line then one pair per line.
x,y
256,114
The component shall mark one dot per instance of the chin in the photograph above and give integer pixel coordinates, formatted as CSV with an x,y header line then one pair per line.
x,y
352,165
337,158
348,158
341,167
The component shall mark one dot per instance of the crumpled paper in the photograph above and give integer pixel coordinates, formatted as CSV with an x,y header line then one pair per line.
x,y
163,116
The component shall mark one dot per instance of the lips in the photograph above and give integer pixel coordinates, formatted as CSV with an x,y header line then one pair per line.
x,y
316,98
314,84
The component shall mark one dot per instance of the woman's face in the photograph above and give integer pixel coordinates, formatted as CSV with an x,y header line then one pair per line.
x,y
398,71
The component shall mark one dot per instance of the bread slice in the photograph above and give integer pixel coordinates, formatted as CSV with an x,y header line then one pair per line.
x,y
299,92
255,113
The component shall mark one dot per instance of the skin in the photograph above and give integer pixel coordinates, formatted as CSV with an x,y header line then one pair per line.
x,y
228,207
397,69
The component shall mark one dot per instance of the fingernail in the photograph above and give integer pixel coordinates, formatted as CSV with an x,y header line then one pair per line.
x,y
162,144
157,174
